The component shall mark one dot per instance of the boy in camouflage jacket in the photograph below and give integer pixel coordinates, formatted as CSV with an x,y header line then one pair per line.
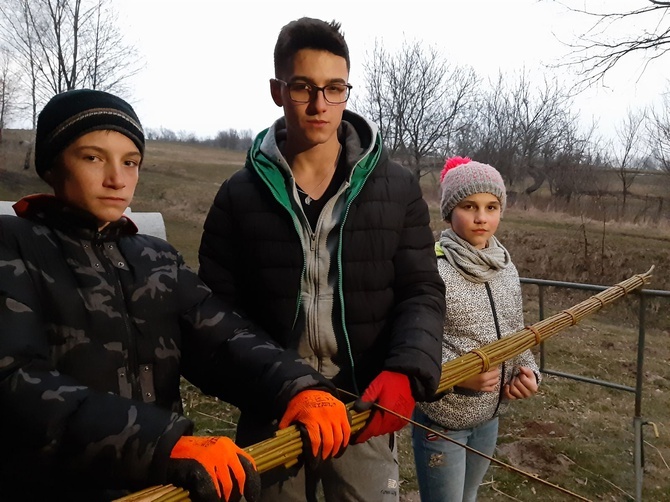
x,y
98,323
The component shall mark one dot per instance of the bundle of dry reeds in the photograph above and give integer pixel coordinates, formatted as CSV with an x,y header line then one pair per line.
x,y
493,354
285,446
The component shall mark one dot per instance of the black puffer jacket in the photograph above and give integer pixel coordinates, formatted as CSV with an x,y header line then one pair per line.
x,y
388,303
95,330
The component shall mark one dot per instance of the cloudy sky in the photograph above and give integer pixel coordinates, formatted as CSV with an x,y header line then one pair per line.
x,y
208,62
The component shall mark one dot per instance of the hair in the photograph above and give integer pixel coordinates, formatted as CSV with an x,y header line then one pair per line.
x,y
308,33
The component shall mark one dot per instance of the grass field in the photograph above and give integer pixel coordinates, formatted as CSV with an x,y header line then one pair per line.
x,y
573,434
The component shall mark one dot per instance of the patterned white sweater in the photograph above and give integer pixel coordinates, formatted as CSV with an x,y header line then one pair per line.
x,y
469,324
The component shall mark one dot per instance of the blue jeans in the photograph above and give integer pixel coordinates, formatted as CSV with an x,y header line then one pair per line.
x,y
447,472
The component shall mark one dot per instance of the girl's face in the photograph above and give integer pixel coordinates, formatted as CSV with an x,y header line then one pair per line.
x,y
98,173
476,218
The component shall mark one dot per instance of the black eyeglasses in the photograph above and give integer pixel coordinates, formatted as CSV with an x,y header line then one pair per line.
x,y
302,92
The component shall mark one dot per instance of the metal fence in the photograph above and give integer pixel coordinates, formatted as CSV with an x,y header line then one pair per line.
x,y
643,297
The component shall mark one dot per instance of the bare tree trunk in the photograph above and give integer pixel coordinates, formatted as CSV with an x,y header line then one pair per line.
x,y
538,179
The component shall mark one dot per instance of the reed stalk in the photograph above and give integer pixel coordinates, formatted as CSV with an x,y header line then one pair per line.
x,y
159,493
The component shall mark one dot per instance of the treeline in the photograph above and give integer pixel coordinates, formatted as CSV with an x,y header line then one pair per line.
x,y
232,139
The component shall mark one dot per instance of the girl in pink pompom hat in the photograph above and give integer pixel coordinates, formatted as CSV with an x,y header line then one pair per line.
x,y
483,299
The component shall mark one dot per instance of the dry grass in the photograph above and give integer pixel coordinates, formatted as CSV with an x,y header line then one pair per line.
x,y
577,435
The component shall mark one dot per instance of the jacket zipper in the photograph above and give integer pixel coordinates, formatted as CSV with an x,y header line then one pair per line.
x,y
498,335
313,319
340,290
297,226
132,360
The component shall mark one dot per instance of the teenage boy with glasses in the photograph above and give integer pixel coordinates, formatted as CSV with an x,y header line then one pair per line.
x,y
325,242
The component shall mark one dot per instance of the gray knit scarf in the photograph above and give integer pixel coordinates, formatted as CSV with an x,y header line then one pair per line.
x,y
475,265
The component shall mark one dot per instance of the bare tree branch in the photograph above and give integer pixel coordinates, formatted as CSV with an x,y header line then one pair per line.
x,y
606,43
628,156
67,44
419,101
658,129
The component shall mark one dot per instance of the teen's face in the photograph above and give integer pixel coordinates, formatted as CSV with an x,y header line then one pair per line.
x,y
316,122
98,173
476,218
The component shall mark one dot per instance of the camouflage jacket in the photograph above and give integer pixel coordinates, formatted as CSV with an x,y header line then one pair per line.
x,y
95,330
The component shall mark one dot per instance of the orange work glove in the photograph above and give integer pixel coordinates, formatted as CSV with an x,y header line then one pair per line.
x,y
392,391
213,468
324,417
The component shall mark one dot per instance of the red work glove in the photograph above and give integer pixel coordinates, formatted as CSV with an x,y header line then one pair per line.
x,y
213,468
392,391
325,419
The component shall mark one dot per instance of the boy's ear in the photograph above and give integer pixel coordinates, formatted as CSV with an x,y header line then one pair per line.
x,y
275,90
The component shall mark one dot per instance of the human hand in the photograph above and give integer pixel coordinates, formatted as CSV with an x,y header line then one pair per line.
x,y
212,469
482,382
522,385
392,391
325,419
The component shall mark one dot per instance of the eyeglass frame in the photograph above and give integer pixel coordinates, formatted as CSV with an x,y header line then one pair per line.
x,y
315,90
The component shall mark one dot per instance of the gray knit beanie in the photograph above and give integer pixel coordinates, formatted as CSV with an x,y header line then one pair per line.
x,y
462,177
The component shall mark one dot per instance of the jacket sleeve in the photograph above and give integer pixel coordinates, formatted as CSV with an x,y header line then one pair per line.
x,y
51,420
216,253
418,317
227,356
